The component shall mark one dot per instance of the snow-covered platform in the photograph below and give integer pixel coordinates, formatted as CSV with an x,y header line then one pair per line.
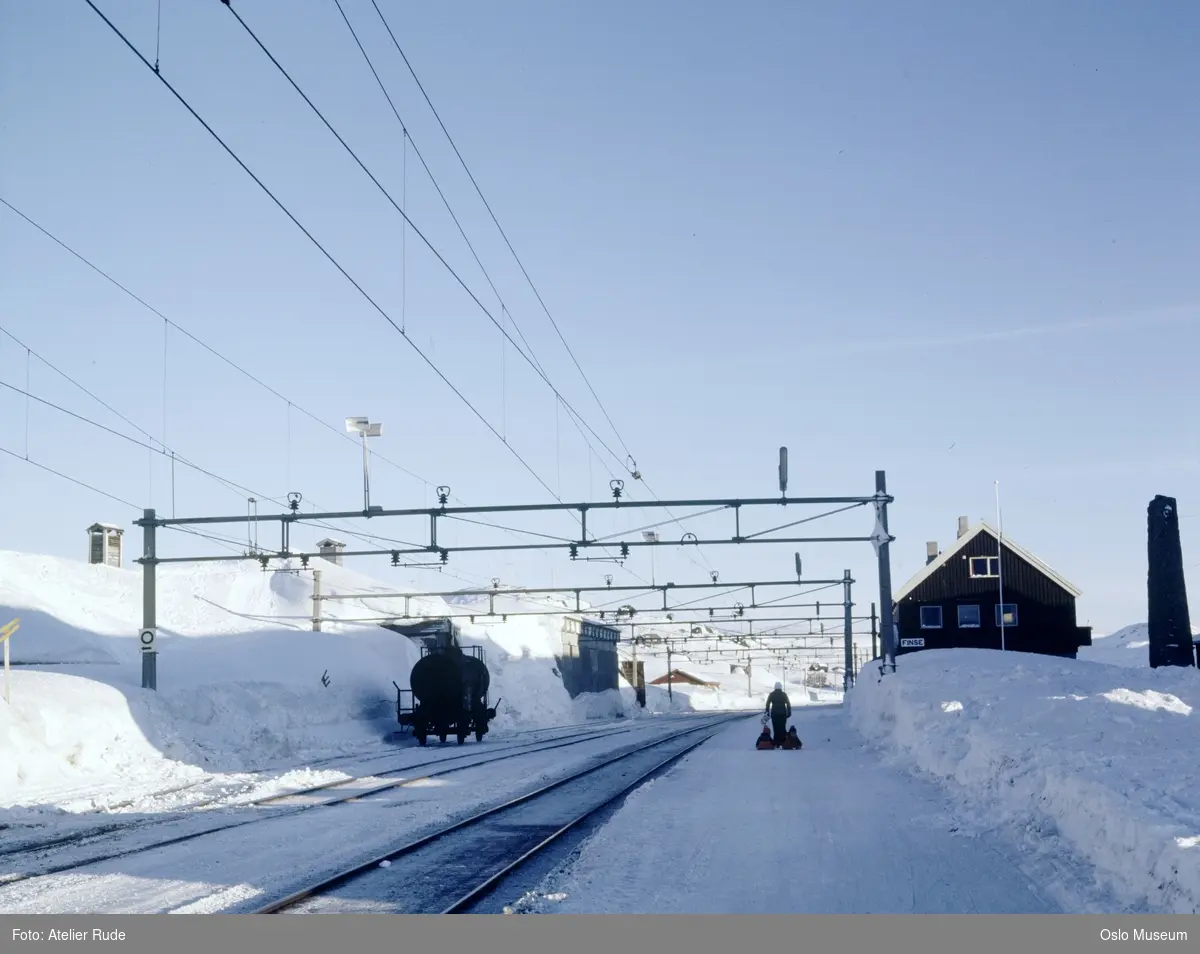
x,y
829,829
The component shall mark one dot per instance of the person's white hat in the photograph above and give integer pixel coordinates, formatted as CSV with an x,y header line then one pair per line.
x,y
779,685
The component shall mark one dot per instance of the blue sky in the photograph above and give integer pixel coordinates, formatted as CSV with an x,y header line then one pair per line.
x,y
955,242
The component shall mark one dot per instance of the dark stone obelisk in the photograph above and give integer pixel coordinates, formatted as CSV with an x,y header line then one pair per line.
x,y
1170,627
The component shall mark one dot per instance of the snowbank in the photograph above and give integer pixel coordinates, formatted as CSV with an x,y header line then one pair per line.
x,y
1129,646
242,703
245,684
243,681
1097,756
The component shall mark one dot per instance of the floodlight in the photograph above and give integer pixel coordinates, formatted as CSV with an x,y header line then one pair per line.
x,y
364,427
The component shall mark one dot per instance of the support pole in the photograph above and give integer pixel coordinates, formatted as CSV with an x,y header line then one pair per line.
x,y
366,476
1000,563
316,616
149,603
874,634
848,679
887,623
5,637
670,694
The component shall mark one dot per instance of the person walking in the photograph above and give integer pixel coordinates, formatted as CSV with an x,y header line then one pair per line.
x,y
779,708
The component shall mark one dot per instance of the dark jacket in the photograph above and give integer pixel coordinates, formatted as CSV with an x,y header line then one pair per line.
x,y
778,703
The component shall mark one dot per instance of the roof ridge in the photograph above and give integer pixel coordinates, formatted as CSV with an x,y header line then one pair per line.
x,y
963,539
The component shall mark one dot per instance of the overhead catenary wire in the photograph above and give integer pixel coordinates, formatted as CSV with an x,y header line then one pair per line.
x,y
432,178
149,444
209,348
69,478
220,356
575,418
321,248
503,234
158,37
162,449
325,252
225,542
417,231
537,294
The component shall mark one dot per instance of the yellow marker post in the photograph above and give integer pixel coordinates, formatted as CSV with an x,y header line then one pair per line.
x,y
5,633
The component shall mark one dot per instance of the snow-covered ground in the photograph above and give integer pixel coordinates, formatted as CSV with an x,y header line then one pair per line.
x,y
988,782
249,855
708,659
828,829
244,684
1087,760
1078,776
1128,646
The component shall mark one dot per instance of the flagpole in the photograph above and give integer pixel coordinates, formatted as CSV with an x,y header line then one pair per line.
x,y
1000,561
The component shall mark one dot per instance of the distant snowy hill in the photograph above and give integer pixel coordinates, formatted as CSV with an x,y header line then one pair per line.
x,y
1128,646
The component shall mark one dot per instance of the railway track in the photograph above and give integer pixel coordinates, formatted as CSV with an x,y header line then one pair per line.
x,y
456,867
92,832
375,752
287,803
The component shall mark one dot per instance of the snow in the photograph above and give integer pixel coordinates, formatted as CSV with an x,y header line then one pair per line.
x,y
828,829
1129,646
244,684
707,658
256,855
1089,760
970,776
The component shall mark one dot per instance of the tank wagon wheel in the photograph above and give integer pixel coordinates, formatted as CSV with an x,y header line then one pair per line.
x,y
479,735
441,736
462,738
422,738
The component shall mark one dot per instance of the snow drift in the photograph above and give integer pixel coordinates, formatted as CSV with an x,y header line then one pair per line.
x,y
1100,757
244,683
1128,646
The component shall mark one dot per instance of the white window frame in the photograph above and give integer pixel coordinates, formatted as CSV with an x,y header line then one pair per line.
x,y
978,616
1015,616
921,616
993,567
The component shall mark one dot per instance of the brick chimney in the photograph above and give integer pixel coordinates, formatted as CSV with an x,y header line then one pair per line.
x,y
963,525
931,552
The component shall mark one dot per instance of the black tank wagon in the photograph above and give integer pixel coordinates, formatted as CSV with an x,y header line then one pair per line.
x,y
449,692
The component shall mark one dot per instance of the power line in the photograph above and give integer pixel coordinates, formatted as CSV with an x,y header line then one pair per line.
x,y
329,256
229,361
429,172
148,444
421,235
227,542
207,347
572,414
521,265
374,304
167,452
73,480
537,294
